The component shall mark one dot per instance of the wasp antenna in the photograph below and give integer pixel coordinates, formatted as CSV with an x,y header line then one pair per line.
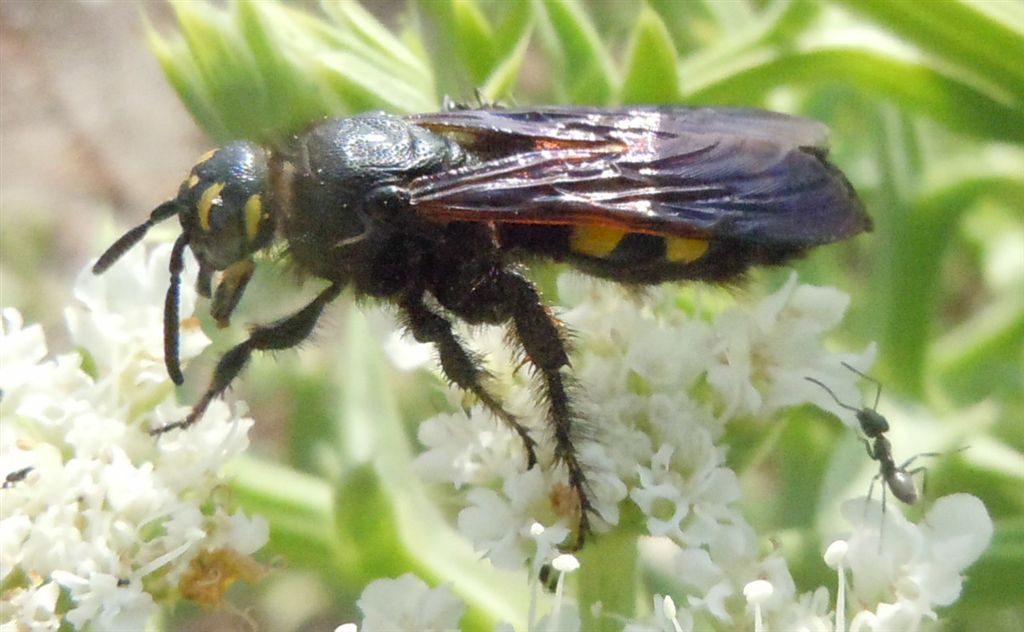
x,y
830,392
128,240
171,319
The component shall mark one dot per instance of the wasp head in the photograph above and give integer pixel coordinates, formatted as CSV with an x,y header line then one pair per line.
x,y
225,218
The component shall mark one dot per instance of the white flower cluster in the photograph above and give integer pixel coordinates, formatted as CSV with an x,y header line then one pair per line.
x,y
657,390
99,520
902,571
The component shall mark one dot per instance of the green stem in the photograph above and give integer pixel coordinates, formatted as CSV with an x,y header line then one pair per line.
x,y
608,578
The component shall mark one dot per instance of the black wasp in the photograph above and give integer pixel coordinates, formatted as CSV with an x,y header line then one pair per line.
x,y
435,213
897,478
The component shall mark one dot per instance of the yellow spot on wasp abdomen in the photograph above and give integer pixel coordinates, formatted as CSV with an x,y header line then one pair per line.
x,y
683,250
595,241
193,180
210,196
253,216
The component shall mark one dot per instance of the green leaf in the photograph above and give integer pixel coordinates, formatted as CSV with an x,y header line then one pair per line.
x,y
473,39
263,70
371,432
930,92
586,72
916,268
605,564
280,70
297,506
958,33
224,70
502,81
650,74
359,85
361,32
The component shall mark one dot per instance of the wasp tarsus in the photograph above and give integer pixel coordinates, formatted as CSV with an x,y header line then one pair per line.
x,y
435,213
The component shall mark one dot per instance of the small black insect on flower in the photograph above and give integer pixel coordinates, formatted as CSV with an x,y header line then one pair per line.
x,y
17,476
436,213
895,478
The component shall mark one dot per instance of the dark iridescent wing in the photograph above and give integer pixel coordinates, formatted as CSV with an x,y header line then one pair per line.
x,y
718,172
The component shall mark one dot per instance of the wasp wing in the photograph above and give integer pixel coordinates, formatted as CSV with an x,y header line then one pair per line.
x,y
710,172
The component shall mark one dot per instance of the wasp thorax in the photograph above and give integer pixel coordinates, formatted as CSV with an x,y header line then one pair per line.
x,y
223,205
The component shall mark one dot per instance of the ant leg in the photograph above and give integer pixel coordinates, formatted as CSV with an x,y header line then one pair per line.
x,y
871,491
923,470
867,446
281,334
881,527
541,336
909,461
459,365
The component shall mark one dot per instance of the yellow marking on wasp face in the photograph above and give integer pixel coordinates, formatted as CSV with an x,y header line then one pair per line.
x,y
210,196
595,241
682,250
193,180
253,216
206,156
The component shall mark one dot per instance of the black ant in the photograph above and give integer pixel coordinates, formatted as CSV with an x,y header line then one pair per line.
x,y
898,479
16,477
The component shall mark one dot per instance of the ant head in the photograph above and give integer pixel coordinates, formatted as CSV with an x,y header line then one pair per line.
x,y
872,423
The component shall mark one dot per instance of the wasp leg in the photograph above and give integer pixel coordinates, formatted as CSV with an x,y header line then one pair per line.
x,y
541,336
459,365
281,334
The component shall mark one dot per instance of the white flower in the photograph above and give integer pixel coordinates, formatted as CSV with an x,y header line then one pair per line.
x,y
657,390
33,607
688,509
407,604
908,570
103,602
762,357
468,448
502,525
109,515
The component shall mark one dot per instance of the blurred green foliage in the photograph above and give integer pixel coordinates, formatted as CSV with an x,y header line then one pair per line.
x,y
926,105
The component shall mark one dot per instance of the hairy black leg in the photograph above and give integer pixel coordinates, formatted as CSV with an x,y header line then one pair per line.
x,y
541,336
281,334
459,364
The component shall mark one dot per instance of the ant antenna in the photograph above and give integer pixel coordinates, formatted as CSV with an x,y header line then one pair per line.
x,y
878,385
